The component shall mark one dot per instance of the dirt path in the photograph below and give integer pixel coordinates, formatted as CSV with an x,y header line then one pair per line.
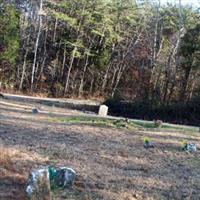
x,y
110,163
79,104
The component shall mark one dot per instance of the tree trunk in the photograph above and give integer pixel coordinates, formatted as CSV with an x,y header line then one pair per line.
x,y
44,58
119,75
83,76
194,79
23,69
113,78
69,71
36,46
185,83
105,79
63,63
91,85
55,28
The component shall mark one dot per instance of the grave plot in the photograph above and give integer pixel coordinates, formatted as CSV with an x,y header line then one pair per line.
x,y
108,155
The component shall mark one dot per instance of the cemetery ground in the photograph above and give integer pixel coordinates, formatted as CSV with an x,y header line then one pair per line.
x,y
107,154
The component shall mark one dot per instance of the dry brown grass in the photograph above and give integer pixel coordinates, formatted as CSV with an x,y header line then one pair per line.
x,y
10,158
14,168
111,164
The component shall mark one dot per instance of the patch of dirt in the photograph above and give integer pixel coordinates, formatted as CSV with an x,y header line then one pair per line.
x,y
111,164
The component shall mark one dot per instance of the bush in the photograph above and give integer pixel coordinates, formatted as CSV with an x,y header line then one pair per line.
x,y
158,123
58,89
177,112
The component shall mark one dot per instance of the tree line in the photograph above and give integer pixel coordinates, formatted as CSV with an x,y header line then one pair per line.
x,y
133,50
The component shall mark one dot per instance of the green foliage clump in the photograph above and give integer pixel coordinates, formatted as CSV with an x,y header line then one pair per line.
x,y
158,123
58,89
9,42
146,140
184,144
9,33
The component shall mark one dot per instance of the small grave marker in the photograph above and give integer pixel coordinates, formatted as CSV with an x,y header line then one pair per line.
x,y
41,181
39,185
189,147
35,111
103,111
147,143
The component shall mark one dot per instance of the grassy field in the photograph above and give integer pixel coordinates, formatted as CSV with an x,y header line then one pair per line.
x,y
122,123
107,154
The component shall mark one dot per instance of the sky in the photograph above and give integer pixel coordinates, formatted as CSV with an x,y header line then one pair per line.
x,y
195,3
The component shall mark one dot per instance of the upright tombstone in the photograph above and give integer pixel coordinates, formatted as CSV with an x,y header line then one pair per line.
x,y
62,177
39,185
41,181
103,110
35,111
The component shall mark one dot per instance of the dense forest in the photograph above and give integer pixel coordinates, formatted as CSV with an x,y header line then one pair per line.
x,y
129,50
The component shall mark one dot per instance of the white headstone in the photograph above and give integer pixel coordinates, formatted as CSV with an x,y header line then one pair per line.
x,y
103,110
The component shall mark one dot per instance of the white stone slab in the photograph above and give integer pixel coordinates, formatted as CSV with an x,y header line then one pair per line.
x,y
103,110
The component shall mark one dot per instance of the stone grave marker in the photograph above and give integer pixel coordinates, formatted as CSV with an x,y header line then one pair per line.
x,y
39,185
35,111
103,110
42,181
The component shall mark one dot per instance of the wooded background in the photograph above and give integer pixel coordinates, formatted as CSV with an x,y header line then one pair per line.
x,y
129,50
